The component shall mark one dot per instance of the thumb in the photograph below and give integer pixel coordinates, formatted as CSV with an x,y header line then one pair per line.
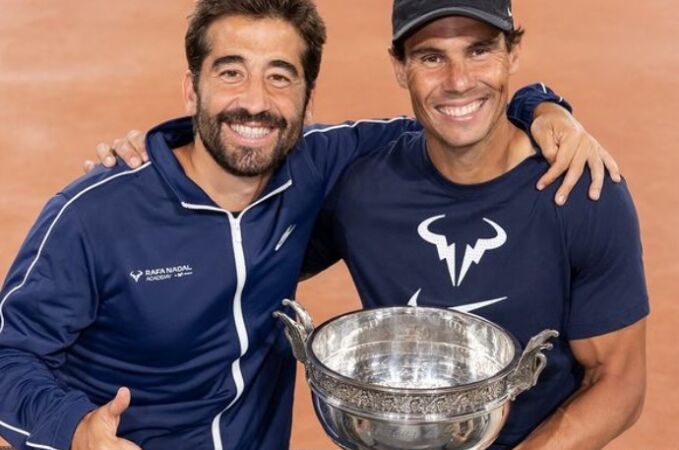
x,y
548,141
120,403
546,138
550,149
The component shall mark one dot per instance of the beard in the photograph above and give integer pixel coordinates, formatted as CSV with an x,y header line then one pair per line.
x,y
246,161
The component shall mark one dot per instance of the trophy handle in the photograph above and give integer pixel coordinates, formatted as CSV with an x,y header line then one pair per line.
x,y
296,330
531,363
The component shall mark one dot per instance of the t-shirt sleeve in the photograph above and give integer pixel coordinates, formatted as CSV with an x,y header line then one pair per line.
x,y
608,288
332,148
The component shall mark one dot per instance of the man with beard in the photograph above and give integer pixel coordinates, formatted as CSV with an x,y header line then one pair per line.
x,y
163,279
176,305
459,199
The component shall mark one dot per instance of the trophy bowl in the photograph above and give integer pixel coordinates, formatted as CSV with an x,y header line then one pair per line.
x,y
407,378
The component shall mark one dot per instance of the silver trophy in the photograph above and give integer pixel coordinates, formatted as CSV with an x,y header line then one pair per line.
x,y
409,378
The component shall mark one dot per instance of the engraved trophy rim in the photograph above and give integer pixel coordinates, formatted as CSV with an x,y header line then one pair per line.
x,y
316,363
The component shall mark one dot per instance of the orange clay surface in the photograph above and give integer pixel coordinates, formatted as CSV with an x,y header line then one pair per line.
x,y
74,73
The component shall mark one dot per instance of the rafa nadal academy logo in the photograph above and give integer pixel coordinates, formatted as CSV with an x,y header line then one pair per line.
x,y
161,273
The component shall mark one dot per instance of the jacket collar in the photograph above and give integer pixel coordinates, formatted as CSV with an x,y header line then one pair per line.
x,y
160,142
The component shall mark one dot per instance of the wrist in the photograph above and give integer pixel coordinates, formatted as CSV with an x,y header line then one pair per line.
x,y
80,432
547,107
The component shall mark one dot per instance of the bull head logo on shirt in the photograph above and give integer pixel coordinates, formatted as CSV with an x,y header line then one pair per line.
x,y
472,254
136,275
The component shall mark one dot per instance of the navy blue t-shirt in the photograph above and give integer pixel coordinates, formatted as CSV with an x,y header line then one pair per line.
x,y
500,249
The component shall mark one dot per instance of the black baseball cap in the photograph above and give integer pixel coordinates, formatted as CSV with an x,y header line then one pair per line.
x,y
409,15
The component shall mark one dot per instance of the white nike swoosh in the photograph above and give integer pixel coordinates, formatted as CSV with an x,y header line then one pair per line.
x,y
285,237
469,307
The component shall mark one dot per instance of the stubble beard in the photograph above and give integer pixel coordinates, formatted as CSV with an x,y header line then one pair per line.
x,y
243,161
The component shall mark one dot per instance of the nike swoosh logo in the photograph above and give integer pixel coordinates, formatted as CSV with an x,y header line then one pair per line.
x,y
478,305
469,307
285,237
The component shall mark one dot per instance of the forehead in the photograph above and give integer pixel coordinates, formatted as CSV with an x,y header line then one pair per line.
x,y
255,39
459,28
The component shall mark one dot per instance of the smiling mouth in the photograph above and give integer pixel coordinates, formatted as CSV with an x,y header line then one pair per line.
x,y
250,132
459,112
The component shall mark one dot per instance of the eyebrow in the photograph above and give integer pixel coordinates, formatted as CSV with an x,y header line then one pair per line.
x,y
494,41
228,59
234,59
425,50
279,63
487,42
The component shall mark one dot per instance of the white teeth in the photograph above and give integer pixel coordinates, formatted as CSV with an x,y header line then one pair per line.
x,y
250,132
459,111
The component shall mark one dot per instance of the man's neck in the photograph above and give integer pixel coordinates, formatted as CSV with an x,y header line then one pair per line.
x,y
502,150
230,192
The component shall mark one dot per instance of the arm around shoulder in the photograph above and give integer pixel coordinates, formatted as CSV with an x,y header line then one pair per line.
x,y
332,148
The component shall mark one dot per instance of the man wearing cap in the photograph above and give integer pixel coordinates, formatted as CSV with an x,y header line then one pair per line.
x,y
458,199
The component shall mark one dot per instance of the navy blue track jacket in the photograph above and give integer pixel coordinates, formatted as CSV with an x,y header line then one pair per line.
x,y
136,278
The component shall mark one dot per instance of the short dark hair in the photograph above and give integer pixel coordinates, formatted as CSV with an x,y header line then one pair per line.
x,y
301,14
512,39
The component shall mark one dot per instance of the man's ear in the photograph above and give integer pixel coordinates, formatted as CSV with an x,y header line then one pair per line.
x,y
309,114
190,95
514,57
399,70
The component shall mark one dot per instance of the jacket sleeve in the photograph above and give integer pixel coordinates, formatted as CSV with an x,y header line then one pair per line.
x,y
322,250
48,297
332,148
522,107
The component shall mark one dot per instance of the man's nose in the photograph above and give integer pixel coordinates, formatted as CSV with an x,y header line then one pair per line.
x,y
254,97
458,78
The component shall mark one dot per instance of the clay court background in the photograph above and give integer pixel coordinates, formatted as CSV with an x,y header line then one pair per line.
x,y
76,72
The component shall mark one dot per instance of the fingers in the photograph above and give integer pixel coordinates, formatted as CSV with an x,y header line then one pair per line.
x,y
120,403
543,133
125,149
106,155
554,172
564,158
131,149
611,165
88,166
137,139
596,168
574,173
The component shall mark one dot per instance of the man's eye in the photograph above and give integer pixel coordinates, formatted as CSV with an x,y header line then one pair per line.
x,y
279,80
230,75
480,51
431,60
